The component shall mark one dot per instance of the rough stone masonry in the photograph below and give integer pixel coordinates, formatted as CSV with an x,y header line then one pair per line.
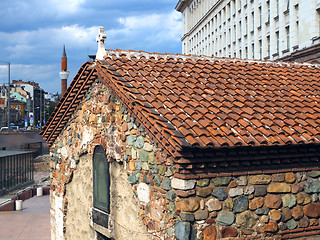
x,y
227,206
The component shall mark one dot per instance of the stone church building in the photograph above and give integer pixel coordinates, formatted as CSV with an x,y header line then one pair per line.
x,y
160,146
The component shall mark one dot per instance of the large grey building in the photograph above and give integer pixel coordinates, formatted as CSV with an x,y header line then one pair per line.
x,y
252,29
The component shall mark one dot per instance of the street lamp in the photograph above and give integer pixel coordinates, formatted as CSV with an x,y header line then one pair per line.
x,y
8,100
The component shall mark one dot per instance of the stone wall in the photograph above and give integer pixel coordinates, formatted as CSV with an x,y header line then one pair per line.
x,y
248,206
147,201
142,197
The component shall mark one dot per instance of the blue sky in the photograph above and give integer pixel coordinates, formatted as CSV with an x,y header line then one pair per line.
x,y
32,33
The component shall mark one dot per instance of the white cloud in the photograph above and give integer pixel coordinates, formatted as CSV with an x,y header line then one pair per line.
x,y
147,32
26,43
167,25
172,27
67,6
137,22
29,72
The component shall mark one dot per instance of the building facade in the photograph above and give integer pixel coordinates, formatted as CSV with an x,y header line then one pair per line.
x,y
252,29
37,95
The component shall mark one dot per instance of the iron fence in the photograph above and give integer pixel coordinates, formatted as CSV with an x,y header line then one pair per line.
x,y
35,147
16,169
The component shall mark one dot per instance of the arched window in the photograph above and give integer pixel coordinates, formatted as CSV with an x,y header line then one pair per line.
x,y
101,187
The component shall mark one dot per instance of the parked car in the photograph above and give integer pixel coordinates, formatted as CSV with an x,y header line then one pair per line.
x,y
14,127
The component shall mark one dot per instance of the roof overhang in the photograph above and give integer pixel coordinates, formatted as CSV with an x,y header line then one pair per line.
x,y
181,5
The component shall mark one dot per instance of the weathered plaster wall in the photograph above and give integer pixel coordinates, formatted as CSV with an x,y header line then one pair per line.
x,y
79,198
125,207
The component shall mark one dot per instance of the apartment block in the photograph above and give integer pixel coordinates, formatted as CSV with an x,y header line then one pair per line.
x,y
252,29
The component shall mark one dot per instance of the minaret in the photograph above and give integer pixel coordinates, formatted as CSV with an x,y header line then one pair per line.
x,y
64,74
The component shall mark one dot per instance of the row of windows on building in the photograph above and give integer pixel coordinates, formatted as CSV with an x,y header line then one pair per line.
x,y
262,46
216,39
199,8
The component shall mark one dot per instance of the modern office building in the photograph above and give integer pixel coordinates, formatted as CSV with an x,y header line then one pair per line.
x,y
252,29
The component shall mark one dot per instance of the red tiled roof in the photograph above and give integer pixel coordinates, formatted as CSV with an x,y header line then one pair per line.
x,y
203,102
69,102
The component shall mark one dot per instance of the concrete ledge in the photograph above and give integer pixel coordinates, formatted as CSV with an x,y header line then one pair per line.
x,y
22,195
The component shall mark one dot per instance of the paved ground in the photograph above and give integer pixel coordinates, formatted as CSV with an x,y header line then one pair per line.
x,y
33,222
37,176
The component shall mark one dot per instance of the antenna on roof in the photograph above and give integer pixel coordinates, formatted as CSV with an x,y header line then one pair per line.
x,y
101,37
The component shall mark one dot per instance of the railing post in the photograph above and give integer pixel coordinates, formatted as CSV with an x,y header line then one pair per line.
x,y
1,174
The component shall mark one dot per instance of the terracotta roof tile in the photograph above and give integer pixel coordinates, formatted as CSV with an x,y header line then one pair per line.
x,y
207,102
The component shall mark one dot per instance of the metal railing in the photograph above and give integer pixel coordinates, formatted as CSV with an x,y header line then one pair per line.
x,y
16,169
35,147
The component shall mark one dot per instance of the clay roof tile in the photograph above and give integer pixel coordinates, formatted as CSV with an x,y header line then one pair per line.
x,y
206,102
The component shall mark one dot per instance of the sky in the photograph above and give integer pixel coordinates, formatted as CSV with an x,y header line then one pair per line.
x,y
33,32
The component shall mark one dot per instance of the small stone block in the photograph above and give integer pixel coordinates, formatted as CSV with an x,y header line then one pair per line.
x,y
213,204
312,210
272,201
225,218
166,184
203,182
144,156
229,232
313,174
209,233
262,211
189,217
182,230
185,193
201,215
289,200
221,181
204,192
183,184
233,192
240,204
290,177
312,186
220,194
270,227
260,191
171,195
259,179
292,224
279,188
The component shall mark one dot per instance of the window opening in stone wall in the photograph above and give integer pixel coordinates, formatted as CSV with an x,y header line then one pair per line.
x,y
277,7
101,186
288,5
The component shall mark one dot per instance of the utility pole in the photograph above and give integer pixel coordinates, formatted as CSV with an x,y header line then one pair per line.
x,y
8,94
